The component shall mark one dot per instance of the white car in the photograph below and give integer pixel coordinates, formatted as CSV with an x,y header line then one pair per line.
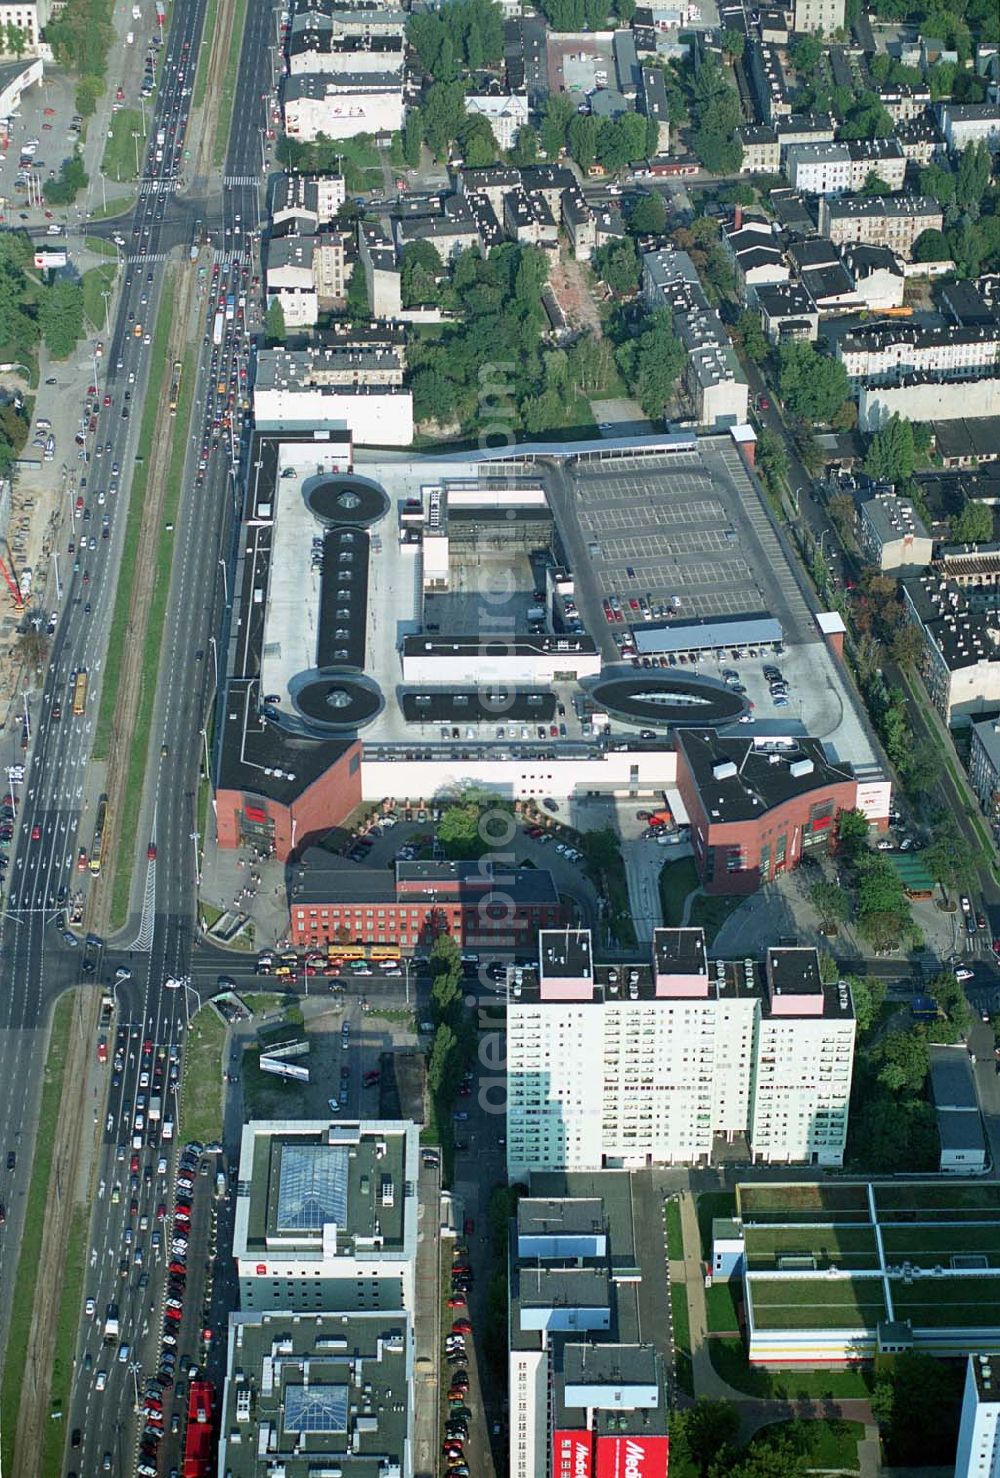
x,y
101,1381
123,973
90,1308
964,973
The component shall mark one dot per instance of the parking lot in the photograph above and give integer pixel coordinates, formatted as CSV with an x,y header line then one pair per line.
x,y
669,537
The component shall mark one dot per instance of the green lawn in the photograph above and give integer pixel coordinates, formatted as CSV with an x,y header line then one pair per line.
x,y
224,116
928,1246
70,1305
201,1080
801,1202
948,1301
119,163
730,1363
711,913
137,497
155,623
720,1307
682,1335
96,282
846,1247
207,42
115,207
824,1303
943,1200
100,247
711,1206
677,880
675,1237
823,1443
38,1191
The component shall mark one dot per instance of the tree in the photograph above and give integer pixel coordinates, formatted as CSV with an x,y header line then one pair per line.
x,y
651,363
914,1402
974,524
581,138
868,993
618,266
443,115
649,215
875,185
716,114
624,10
948,857
830,903
852,834
973,176
440,1066
413,137
807,53
813,385
703,1431
274,323
60,317
476,140
907,647
458,832
733,42
772,461
556,117
601,850
931,246
950,996
72,179
752,336
525,150
17,39
890,456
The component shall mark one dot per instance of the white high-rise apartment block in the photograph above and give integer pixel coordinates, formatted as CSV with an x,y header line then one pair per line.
x,y
614,1066
803,1060
978,1453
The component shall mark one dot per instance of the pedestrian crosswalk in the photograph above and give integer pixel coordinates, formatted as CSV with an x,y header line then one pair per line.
x,y
156,187
133,259
234,181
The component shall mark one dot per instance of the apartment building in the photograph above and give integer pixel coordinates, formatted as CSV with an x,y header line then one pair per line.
x,y
920,138
927,397
357,384
883,220
317,49
978,1454
787,312
892,535
756,255
28,18
878,274
505,112
961,665
654,105
678,1043
326,1215
802,1064
822,16
761,150
305,274
712,376
587,1383
984,766
970,123
342,104
382,273
819,168
303,202
886,353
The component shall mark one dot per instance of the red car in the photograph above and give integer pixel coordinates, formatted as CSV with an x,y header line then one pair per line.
x,y
134,1165
36,833
457,1302
175,1314
151,852
107,401
461,1326
161,1211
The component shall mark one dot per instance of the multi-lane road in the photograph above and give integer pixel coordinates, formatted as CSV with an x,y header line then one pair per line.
x,y
55,811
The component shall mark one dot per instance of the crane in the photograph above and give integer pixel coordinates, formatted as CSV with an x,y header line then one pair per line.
x,y
13,585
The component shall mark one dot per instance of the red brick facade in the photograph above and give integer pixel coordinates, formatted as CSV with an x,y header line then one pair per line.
x,y
738,856
243,818
484,923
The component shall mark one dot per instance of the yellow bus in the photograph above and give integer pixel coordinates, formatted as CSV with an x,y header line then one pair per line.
x,y
384,952
175,387
97,850
80,692
346,952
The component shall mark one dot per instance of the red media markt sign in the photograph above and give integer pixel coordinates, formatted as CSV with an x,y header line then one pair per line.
x,y
571,1454
632,1457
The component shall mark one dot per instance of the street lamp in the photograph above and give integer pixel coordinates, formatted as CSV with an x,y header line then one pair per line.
x,y
197,995
106,295
195,836
136,136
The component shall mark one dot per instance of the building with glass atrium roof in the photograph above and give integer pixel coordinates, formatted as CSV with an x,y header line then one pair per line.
x,y
326,1215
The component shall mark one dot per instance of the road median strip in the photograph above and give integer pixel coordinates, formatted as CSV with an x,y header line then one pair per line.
x,y
29,1262
227,96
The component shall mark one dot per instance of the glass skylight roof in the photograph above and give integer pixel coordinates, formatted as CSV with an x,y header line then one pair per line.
x,y
312,1187
315,1408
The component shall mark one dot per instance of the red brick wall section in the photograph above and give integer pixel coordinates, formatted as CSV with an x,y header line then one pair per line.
x,y
326,803
785,819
